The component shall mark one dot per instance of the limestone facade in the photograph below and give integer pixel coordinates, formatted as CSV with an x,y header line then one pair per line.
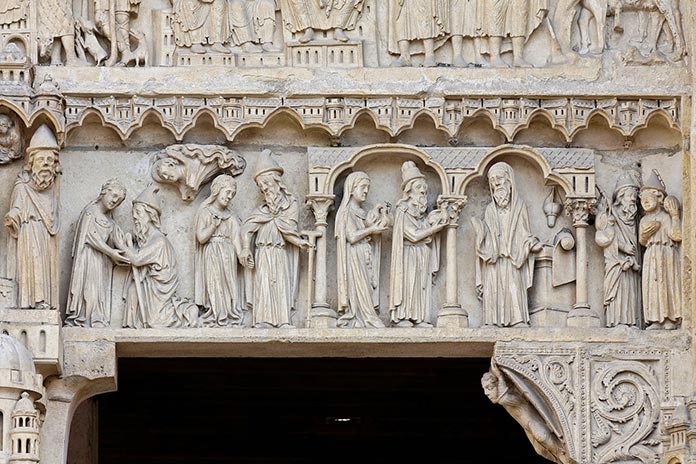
x,y
508,180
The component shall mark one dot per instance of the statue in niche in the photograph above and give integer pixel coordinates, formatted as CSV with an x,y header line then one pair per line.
x,y
467,16
617,233
427,21
189,166
659,231
358,248
305,17
546,436
33,224
264,18
215,23
277,242
11,143
218,247
12,11
415,257
112,20
150,295
97,246
56,32
505,248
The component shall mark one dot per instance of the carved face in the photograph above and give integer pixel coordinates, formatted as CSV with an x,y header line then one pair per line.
x,y
226,195
490,386
268,186
141,219
628,204
419,194
44,168
361,190
5,124
501,188
112,198
169,170
650,199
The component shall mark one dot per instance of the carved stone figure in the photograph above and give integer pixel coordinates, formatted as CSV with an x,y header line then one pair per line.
x,y
546,438
33,224
571,12
505,248
11,144
150,296
306,16
358,253
218,247
660,233
417,20
273,225
190,166
415,254
617,234
97,246
12,11
516,19
56,31
113,18
197,23
467,16
264,17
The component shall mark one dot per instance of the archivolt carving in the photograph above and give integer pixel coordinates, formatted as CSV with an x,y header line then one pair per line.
x,y
232,114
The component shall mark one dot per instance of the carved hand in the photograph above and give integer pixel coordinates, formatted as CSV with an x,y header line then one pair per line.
x,y
627,248
306,245
672,206
246,260
652,227
118,257
537,246
12,222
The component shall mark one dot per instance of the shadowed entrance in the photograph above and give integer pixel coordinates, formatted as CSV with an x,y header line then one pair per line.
x,y
326,410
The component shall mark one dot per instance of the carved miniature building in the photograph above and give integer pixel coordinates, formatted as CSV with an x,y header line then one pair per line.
x,y
246,179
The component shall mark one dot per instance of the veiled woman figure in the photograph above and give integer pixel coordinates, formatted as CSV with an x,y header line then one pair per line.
x,y
358,254
95,250
218,246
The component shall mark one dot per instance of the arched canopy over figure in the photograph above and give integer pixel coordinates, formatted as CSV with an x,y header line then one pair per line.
x,y
218,247
660,233
358,253
505,250
98,244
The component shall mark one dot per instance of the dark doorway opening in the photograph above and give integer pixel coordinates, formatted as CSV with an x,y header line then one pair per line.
x,y
308,411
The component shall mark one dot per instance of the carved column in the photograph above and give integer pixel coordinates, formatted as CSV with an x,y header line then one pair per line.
x,y
452,314
321,315
582,315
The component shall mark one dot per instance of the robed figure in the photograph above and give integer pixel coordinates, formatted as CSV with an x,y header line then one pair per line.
x,y
33,224
274,229
218,246
505,250
150,296
617,234
415,257
96,249
358,250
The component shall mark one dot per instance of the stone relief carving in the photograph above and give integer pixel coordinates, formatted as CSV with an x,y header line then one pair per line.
x,y
151,299
112,19
415,257
218,284
98,246
190,166
274,256
56,32
505,248
358,249
305,17
417,22
11,141
617,233
33,224
659,231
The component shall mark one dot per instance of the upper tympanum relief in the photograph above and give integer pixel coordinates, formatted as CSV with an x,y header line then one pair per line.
x,y
343,33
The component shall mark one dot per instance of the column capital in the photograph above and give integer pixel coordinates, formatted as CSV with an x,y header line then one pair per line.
x,y
320,206
453,204
580,210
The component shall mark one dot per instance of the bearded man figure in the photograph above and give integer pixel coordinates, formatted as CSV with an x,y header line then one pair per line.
x,y
505,248
33,225
415,251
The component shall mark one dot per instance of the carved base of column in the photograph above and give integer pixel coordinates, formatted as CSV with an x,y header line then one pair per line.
x,y
453,316
582,316
322,317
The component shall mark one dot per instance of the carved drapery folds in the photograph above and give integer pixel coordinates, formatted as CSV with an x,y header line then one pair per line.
x,y
580,404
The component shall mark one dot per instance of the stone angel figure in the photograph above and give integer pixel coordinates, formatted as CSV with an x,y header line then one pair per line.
x,y
218,248
190,166
358,248
659,231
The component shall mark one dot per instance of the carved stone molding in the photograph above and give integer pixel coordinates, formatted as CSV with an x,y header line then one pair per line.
x,y
580,210
604,401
